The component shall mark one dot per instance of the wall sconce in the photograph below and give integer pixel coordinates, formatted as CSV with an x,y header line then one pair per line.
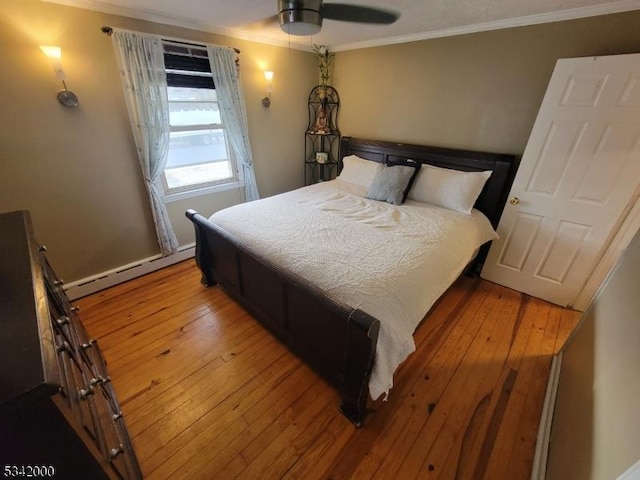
x,y
65,97
268,76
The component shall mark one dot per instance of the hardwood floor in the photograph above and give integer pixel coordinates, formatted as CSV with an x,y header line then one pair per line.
x,y
208,393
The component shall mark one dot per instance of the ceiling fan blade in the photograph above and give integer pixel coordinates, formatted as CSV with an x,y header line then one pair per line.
x,y
358,13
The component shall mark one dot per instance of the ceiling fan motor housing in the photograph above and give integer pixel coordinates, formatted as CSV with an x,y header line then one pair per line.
x,y
300,17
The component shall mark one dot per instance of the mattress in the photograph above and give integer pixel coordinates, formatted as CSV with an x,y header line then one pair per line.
x,y
392,262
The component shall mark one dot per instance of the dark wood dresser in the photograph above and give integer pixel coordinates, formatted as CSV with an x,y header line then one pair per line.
x,y
59,416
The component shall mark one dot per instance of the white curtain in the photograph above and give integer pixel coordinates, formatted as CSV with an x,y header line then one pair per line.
x,y
233,112
144,80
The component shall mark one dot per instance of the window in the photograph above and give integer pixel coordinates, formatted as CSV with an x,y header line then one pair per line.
x,y
199,154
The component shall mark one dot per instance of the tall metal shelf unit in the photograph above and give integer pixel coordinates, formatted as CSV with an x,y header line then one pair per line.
x,y
322,138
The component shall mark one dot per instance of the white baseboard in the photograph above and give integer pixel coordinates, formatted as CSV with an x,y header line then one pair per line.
x,y
539,471
95,283
633,473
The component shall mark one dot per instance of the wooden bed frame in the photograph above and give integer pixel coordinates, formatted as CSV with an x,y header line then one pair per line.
x,y
336,340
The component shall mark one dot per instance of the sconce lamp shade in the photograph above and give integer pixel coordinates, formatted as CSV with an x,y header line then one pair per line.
x,y
51,51
65,97
268,76
55,55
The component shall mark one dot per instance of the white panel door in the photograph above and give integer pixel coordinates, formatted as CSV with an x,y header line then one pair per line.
x,y
577,177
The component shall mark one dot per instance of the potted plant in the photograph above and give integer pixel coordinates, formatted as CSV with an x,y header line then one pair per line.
x,y
324,65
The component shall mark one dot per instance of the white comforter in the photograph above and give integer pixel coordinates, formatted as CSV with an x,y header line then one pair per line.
x,y
392,262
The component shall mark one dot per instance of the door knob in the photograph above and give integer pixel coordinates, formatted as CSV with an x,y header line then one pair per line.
x,y
514,201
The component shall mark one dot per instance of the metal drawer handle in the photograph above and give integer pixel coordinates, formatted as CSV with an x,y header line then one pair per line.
x,y
43,248
117,416
75,309
65,347
114,452
84,393
90,344
514,201
99,380
58,282
63,320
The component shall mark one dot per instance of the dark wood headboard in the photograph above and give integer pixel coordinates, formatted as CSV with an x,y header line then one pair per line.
x,y
494,195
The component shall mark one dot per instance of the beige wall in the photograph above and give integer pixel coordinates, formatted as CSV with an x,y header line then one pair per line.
x,y
596,422
76,169
77,172
479,91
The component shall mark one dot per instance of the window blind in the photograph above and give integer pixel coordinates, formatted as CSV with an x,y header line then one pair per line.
x,y
187,65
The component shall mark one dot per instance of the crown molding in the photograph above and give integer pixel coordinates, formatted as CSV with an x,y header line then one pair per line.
x,y
158,17
174,21
559,16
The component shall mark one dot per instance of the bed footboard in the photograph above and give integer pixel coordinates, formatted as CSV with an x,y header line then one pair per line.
x,y
360,352
337,341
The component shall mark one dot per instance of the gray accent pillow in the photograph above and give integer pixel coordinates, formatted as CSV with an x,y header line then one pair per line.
x,y
390,183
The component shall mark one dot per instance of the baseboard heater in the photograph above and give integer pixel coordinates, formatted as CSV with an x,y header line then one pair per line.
x,y
100,281
539,470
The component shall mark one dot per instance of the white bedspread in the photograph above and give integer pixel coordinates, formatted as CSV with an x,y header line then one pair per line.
x,y
392,262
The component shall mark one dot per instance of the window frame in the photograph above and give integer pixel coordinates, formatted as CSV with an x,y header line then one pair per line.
x,y
187,66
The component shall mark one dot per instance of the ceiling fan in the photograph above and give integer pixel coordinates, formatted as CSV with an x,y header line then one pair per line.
x,y
304,17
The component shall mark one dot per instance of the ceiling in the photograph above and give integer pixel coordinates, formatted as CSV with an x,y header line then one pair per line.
x,y
419,19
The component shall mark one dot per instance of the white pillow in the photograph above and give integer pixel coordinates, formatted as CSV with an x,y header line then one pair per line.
x,y
359,171
448,188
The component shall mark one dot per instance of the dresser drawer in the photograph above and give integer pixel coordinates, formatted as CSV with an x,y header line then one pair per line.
x,y
67,381
124,462
94,360
112,443
82,398
55,291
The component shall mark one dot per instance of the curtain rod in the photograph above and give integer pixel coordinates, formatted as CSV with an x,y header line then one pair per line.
x,y
109,31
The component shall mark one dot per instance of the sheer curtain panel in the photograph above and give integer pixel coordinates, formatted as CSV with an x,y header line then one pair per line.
x,y
141,64
233,112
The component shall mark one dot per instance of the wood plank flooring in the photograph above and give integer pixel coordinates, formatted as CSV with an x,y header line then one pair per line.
x,y
208,393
